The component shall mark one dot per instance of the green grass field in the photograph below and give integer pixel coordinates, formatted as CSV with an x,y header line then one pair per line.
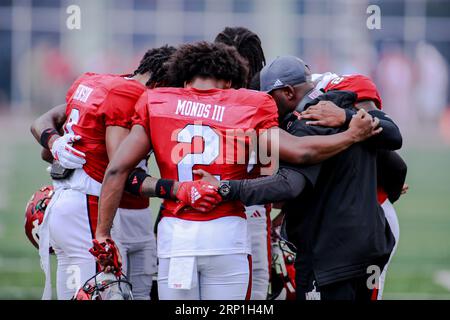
x,y
424,215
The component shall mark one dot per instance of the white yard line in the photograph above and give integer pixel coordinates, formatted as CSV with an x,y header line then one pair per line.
x,y
442,278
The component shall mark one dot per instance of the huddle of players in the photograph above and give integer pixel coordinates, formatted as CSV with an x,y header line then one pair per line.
x,y
110,123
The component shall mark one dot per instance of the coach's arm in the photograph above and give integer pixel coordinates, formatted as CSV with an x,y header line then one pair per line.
x,y
286,184
330,115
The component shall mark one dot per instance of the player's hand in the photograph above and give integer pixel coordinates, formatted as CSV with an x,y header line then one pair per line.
x,y
199,194
68,156
405,189
363,126
206,176
107,255
325,114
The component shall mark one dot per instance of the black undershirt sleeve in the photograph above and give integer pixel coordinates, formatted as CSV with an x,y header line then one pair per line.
x,y
391,173
290,180
286,184
390,138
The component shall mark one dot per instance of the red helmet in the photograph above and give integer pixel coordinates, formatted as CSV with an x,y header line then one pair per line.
x,y
105,286
34,213
282,279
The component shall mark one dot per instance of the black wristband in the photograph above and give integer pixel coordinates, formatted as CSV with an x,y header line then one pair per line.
x,y
164,188
135,180
46,135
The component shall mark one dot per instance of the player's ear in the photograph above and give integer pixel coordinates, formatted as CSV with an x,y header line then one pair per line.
x,y
289,92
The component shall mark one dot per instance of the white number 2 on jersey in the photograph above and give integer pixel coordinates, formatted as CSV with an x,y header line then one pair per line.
x,y
209,154
74,117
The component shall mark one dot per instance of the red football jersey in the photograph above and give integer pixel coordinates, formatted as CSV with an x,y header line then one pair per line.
x,y
94,102
204,129
361,85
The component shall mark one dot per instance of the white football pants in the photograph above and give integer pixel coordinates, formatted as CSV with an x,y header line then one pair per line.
x,y
259,223
221,277
392,219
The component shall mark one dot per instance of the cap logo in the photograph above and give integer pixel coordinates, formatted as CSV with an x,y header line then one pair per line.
x,y
278,83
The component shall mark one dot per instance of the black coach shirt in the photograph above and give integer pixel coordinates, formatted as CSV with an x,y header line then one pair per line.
x,y
336,222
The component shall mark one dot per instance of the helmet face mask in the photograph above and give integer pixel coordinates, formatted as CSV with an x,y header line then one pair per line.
x,y
105,286
282,283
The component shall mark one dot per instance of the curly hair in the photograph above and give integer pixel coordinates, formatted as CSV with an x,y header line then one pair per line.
x,y
248,44
209,60
154,61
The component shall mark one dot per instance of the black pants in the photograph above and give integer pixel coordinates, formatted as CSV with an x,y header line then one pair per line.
x,y
352,289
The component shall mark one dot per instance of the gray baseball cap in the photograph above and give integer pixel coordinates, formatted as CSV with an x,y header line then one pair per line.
x,y
281,72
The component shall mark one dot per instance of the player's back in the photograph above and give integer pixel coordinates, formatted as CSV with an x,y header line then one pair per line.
x,y
88,114
206,129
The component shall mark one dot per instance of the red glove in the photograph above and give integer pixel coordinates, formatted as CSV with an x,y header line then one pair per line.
x,y
199,194
107,255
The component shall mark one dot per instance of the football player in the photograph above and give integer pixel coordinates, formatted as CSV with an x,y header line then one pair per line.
x,y
248,45
202,256
95,119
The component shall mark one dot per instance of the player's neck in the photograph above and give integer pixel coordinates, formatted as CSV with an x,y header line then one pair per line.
x,y
142,78
208,83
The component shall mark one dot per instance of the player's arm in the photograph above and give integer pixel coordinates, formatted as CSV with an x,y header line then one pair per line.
x,y
290,180
132,149
390,137
114,137
329,115
46,130
391,171
52,119
121,175
315,149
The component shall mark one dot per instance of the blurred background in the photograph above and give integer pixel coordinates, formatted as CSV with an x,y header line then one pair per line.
x,y
41,54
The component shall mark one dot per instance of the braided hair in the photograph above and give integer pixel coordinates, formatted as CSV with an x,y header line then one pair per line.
x,y
155,63
255,84
248,44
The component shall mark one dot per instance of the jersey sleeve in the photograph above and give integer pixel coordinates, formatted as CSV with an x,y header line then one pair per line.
x,y
141,115
118,107
266,115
